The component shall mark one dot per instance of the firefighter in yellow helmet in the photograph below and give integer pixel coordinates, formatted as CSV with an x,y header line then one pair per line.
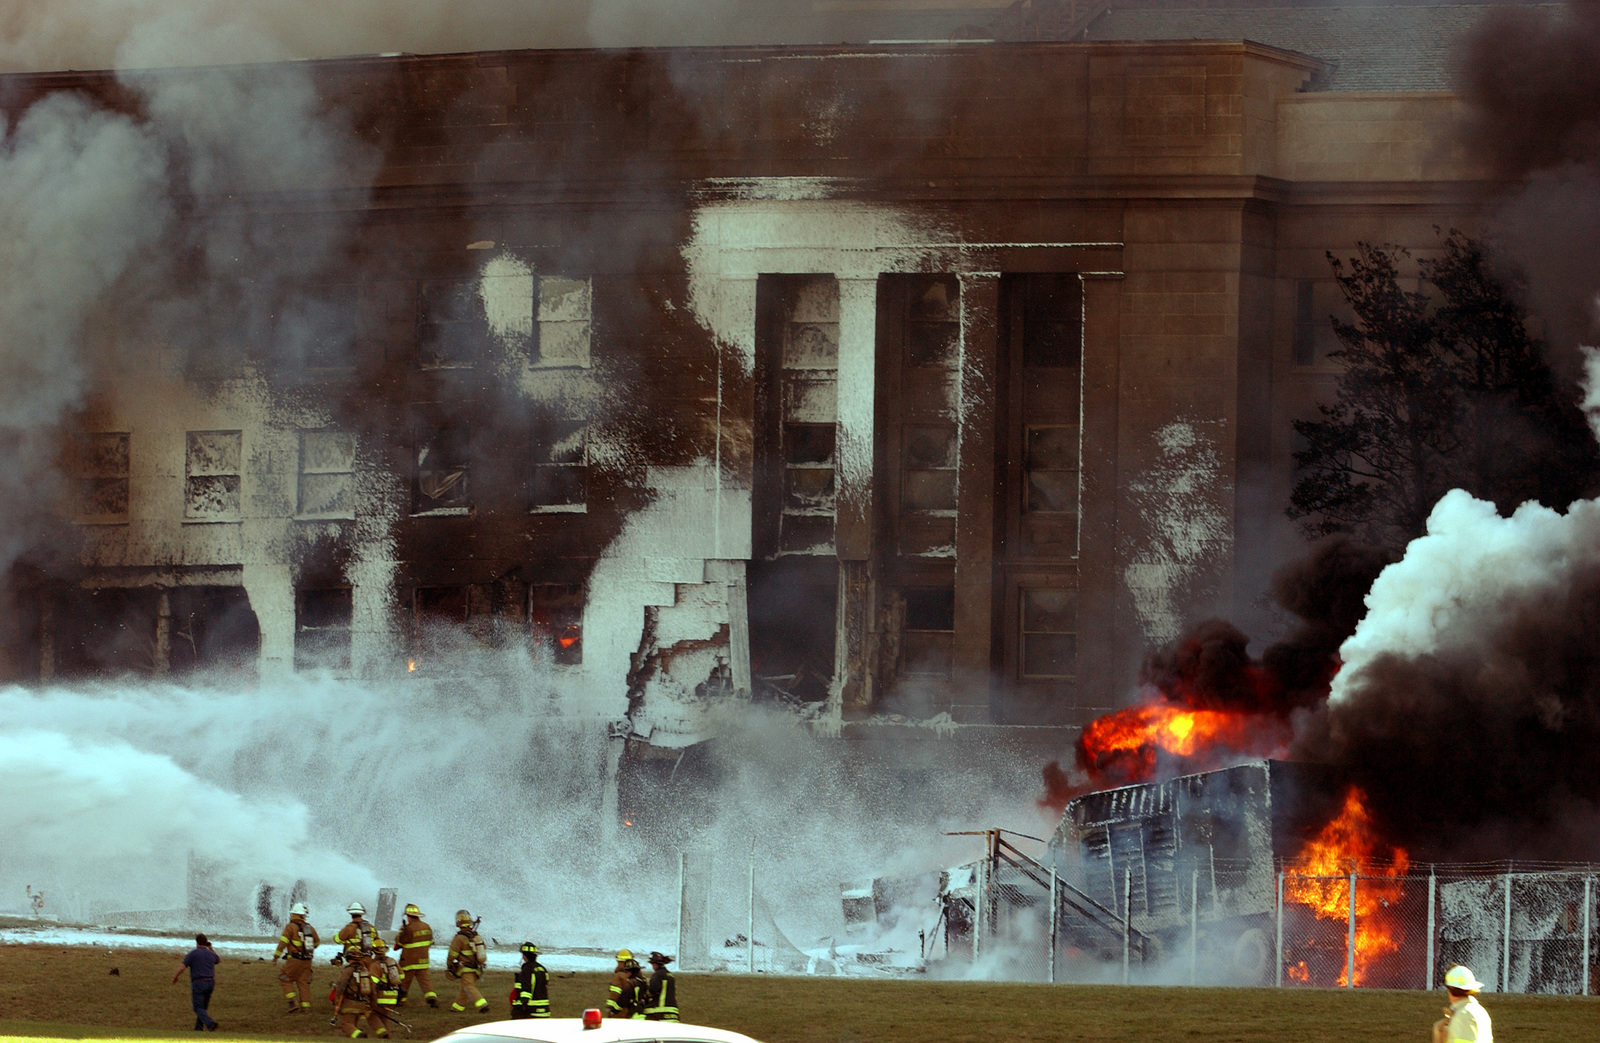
x,y
355,997
1465,1020
385,982
468,958
620,990
413,942
296,946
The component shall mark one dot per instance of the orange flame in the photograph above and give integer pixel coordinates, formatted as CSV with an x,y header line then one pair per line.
x,y
1136,733
567,642
411,666
1298,972
1320,879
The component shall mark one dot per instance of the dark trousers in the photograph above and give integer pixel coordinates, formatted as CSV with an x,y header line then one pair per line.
x,y
200,994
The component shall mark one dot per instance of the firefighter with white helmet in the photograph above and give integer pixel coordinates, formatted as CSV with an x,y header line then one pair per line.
x,y
357,934
413,942
468,958
296,945
1465,1020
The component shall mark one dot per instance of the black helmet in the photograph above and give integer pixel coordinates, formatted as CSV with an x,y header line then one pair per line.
x,y
656,957
529,949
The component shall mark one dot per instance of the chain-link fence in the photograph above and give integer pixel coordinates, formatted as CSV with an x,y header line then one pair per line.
x,y
1531,932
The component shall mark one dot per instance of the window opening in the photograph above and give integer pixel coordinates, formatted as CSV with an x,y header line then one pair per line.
x,y
559,477
933,329
928,644
211,476
322,628
1049,633
327,474
442,472
555,620
100,466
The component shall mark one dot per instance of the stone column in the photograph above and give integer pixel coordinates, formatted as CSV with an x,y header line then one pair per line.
x,y
972,674
1098,564
854,451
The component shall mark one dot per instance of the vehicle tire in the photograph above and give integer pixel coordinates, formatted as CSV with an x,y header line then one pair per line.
x,y
1252,957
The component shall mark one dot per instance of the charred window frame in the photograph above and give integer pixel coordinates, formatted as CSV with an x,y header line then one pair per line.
x,y
441,483
326,482
555,622
322,628
99,466
558,480
927,645
1048,637
211,484
452,328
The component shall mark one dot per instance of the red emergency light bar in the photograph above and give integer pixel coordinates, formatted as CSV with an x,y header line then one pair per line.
x,y
591,1018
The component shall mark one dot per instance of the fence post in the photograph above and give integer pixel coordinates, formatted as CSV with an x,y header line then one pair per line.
x,y
1055,921
1127,919
1505,956
751,923
981,897
1433,890
1278,980
1350,939
1588,901
1194,920
683,858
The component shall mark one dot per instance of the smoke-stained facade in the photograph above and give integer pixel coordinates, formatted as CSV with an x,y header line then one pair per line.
x,y
891,380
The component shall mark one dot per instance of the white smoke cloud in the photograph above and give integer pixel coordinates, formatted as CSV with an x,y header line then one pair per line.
x,y
1471,572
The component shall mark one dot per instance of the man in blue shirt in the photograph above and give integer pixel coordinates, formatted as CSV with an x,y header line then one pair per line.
x,y
202,966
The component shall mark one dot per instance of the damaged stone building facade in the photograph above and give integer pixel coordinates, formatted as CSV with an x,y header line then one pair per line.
x,y
906,380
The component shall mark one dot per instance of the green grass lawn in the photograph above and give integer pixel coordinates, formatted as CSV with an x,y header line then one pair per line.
x,y
54,993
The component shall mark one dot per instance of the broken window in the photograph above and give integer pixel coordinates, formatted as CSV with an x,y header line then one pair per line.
x,y
797,409
449,619
451,324
555,619
565,306
213,628
933,327
322,628
99,463
442,472
928,644
1049,633
559,476
327,474
211,476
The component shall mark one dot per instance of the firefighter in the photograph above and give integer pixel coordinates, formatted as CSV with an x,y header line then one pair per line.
x,y
636,994
466,962
357,934
296,945
621,984
1465,1020
414,941
530,996
355,996
663,990
385,973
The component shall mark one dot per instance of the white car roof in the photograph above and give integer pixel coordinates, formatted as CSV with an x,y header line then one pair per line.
x,y
611,1030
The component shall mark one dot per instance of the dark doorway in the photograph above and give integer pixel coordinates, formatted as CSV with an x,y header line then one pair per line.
x,y
793,602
